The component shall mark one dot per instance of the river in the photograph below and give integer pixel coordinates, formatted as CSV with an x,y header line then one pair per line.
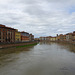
x,y
45,58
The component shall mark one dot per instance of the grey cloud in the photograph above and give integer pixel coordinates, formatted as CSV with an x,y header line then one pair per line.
x,y
40,17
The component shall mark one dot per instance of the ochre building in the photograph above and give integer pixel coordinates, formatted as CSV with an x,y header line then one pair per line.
x,y
17,36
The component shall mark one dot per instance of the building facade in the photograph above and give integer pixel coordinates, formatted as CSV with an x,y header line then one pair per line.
x,y
47,38
42,38
52,38
17,36
61,37
25,36
58,37
31,37
7,34
69,37
73,36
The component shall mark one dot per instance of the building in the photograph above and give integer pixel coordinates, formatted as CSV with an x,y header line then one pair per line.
x,y
64,37
42,38
17,36
37,39
52,38
61,37
31,37
47,38
69,36
58,38
7,34
25,36
73,36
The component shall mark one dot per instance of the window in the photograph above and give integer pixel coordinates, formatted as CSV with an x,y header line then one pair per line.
x,y
3,37
6,29
3,29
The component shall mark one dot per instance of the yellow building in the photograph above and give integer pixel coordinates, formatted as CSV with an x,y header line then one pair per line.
x,y
17,36
52,38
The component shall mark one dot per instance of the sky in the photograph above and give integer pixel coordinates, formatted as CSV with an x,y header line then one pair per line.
x,y
39,17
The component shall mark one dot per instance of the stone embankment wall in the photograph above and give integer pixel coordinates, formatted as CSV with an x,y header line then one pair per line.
x,y
16,44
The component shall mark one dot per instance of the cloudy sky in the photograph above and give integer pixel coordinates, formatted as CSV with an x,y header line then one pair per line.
x,y
39,17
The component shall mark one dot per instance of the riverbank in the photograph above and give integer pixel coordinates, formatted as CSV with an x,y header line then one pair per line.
x,y
18,45
67,42
26,45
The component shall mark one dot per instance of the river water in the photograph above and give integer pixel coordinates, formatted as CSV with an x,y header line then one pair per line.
x,y
45,58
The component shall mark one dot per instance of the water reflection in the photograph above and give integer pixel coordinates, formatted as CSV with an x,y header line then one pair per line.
x,y
69,47
11,54
13,50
